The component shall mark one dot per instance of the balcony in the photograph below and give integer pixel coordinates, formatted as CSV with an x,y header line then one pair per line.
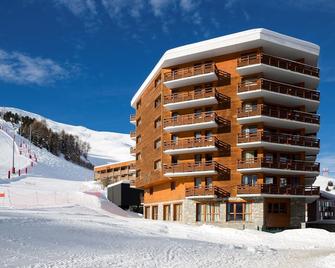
x,y
280,93
190,122
207,193
133,119
289,167
203,97
279,142
202,73
133,150
278,191
195,145
278,68
279,117
133,135
195,169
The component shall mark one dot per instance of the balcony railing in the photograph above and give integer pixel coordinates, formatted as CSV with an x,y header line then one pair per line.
x,y
195,70
306,190
132,118
195,143
195,95
287,139
295,66
195,119
215,191
259,162
196,167
281,88
278,112
133,134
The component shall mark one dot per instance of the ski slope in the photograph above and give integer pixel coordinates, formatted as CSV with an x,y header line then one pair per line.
x,y
106,147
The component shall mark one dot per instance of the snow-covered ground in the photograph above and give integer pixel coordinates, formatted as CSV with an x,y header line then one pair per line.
x,y
106,147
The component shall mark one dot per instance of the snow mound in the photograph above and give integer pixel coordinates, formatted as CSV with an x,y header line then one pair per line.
x,y
106,147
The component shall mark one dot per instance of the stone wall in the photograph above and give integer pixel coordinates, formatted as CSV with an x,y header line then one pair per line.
x,y
297,212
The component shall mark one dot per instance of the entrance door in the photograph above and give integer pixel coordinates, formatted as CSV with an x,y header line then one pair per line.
x,y
277,213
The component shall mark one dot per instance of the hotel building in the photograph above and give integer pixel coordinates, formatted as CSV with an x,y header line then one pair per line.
x,y
226,132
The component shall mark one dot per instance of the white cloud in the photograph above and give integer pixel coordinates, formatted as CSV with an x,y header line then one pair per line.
x,y
21,69
79,7
159,6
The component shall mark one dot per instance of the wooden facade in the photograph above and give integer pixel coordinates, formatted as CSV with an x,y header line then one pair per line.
x,y
115,172
192,143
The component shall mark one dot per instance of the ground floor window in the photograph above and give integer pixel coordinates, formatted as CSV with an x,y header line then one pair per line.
x,y
208,212
177,212
238,211
147,212
166,212
277,208
154,214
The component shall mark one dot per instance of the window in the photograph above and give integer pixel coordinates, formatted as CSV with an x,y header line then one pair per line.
x,y
158,101
277,208
249,179
197,135
147,212
151,190
138,156
166,212
208,158
174,160
154,214
197,182
138,139
174,137
208,134
207,212
238,212
139,122
248,107
157,143
197,158
249,155
249,130
172,185
175,115
158,164
208,182
197,112
158,122
282,182
269,157
138,105
138,173
268,180
177,212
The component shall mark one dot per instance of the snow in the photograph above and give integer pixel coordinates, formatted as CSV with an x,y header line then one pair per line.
x,y
106,147
322,181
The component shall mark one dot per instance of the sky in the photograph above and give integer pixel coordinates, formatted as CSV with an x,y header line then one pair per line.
x,y
81,61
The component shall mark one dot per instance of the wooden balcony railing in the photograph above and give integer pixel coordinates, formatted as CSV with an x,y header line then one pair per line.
x,y
133,134
195,167
259,162
287,139
281,88
188,119
132,118
295,66
196,95
306,190
195,70
195,143
132,166
278,112
215,191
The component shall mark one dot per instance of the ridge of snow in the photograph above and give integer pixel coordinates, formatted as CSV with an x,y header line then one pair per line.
x,y
106,147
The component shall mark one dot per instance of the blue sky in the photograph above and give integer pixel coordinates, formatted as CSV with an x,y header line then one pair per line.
x,y
81,61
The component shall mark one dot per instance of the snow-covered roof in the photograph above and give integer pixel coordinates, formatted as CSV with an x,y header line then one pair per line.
x,y
232,43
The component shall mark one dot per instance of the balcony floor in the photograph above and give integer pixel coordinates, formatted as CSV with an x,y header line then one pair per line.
x,y
276,171
279,74
279,123
191,103
192,80
279,147
191,150
278,98
188,174
189,127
